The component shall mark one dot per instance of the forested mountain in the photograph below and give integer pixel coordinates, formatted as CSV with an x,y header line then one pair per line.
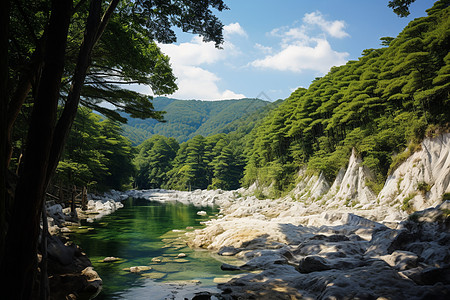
x,y
216,161
381,105
188,118
378,104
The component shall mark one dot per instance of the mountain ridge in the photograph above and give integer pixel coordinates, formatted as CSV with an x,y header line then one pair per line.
x,y
185,119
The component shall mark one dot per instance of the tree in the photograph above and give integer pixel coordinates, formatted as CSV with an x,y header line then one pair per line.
x,y
42,72
376,104
154,160
95,155
4,99
401,7
226,169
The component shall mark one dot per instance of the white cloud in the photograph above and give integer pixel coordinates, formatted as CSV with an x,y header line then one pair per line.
x,y
298,57
234,29
189,60
287,35
193,53
264,49
198,83
333,28
301,50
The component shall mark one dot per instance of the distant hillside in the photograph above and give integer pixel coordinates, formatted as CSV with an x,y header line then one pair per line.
x,y
188,118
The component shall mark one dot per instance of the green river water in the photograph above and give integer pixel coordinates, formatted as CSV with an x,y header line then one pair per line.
x,y
143,230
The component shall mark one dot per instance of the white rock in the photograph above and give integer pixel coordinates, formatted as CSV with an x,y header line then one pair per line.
x,y
431,166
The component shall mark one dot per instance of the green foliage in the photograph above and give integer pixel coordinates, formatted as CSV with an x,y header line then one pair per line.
x,y
199,163
376,105
445,197
185,119
423,187
153,161
400,7
406,205
376,185
96,154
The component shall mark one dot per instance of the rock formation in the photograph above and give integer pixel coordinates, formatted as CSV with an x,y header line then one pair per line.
x,y
70,271
423,179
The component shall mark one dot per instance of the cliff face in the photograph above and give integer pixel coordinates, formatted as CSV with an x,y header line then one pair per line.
x,y
420,182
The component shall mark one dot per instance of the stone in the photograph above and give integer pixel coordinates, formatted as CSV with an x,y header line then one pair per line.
x,y
401,260
313,264
65,230
228,251
264,259
57,250
181,255
154,275
221,279
202,296
434,275
90,274
156,259
228,267
110,259
138,269
429,165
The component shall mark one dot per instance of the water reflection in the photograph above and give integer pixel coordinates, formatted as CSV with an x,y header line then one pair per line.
x,y
143,230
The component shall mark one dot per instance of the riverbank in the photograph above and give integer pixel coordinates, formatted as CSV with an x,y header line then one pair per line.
x,y
304,251
70,272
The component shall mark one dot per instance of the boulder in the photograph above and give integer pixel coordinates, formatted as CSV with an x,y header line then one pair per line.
x,y
60,252
228,267
401,260
110,259
313,263
228,251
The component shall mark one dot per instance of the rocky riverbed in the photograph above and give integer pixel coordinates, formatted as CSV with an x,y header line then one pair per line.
x,y
70,272
306,252
326,240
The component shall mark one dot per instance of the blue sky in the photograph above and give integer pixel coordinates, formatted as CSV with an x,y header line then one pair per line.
x,y
275,47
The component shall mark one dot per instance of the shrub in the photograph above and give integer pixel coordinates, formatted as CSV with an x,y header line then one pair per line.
x,y
445,197
423,187
407,205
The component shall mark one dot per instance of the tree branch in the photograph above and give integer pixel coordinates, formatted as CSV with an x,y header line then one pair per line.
x,y
27,22
105,19
73,98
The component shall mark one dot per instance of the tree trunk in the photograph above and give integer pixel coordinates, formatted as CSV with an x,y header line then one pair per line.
x,y
20,264
27,76
84,200
43,282
73,207
4,26
94,28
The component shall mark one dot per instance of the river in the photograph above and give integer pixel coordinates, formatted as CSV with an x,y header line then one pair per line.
x,y
143,230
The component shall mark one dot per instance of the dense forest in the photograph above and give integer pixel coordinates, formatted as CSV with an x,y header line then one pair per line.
x,y
58,56
100,156
382,105
185,119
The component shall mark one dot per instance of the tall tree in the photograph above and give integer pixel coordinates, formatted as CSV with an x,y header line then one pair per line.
x,y
42,72
23,227
4,197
